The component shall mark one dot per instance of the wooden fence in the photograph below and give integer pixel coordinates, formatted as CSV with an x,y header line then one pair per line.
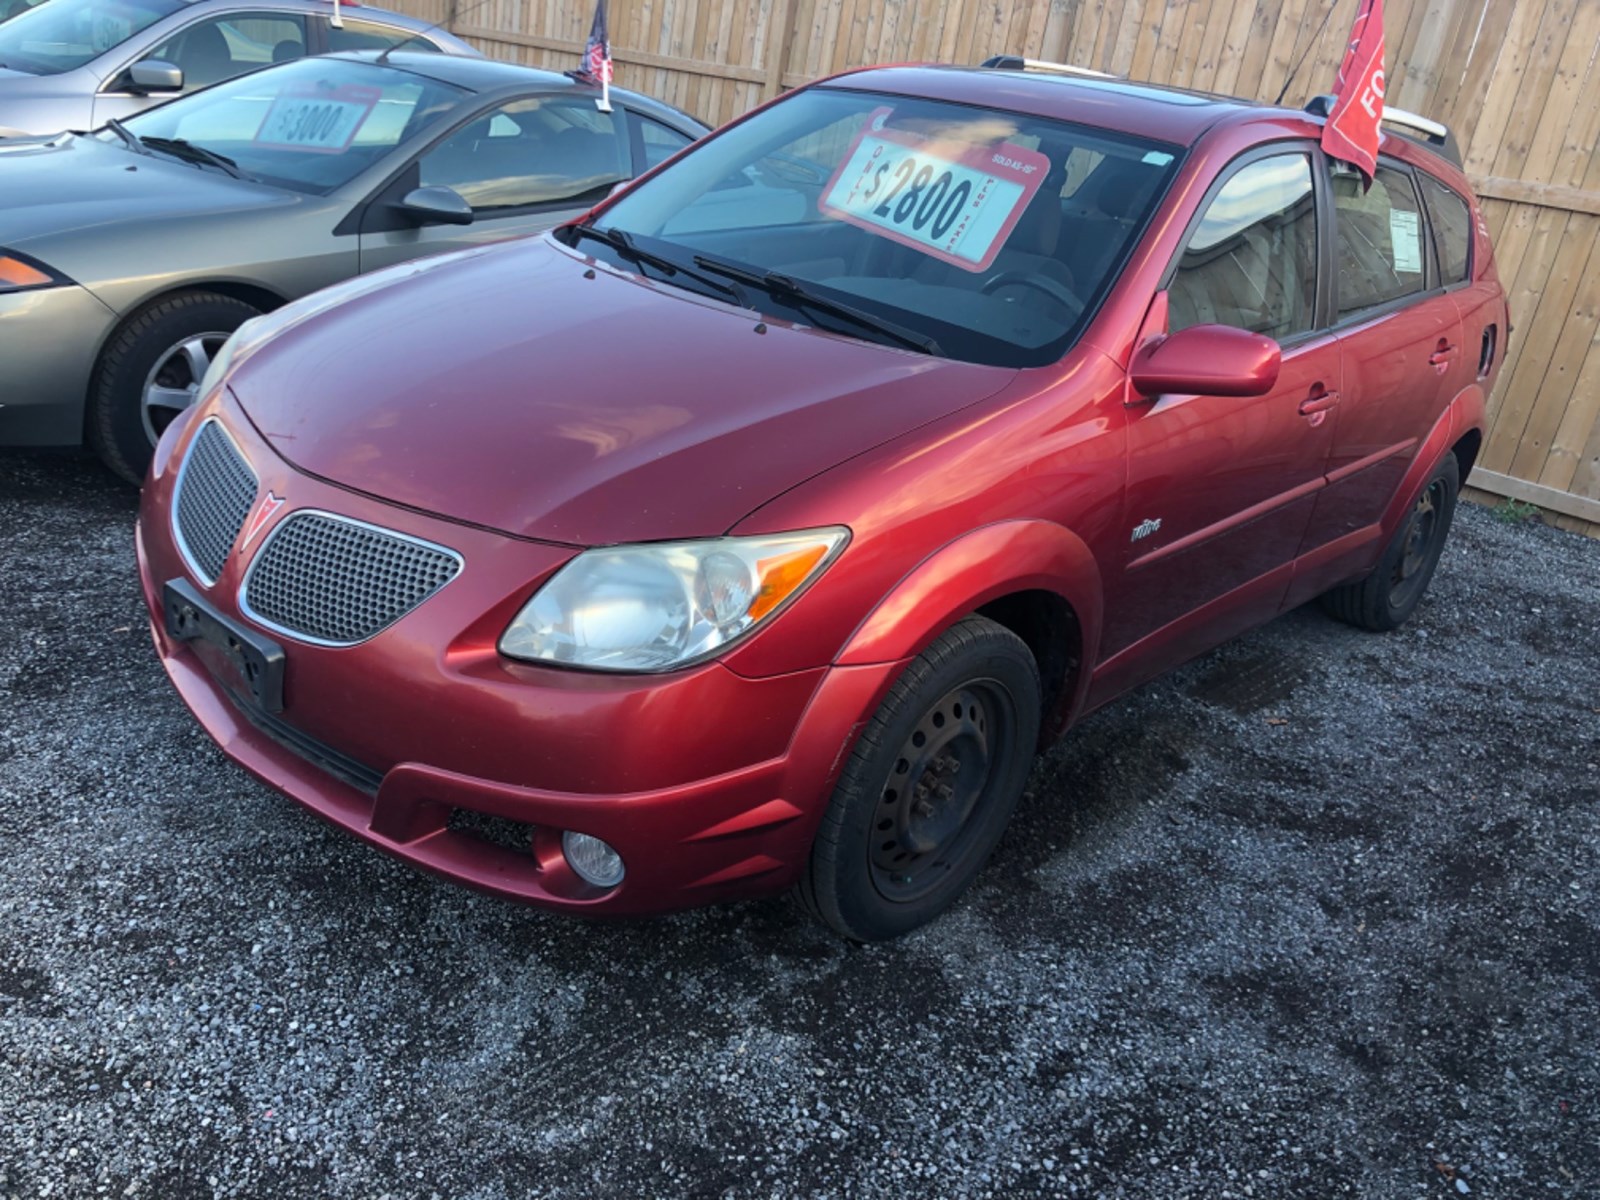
x,y
1518,81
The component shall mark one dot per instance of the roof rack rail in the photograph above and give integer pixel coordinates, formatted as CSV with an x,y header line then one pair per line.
x,y
1409,125
1015,62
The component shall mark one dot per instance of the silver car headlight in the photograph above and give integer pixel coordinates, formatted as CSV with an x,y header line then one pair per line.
x,y
222,363
663,605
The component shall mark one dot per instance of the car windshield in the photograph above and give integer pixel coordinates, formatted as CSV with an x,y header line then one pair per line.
x,y
975,233
65,34
311,125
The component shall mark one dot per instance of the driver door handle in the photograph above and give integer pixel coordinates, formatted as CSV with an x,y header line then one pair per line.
x,y
1318,402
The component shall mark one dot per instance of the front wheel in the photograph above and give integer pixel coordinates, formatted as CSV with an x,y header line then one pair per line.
x,y
930,786
151,371
1386,598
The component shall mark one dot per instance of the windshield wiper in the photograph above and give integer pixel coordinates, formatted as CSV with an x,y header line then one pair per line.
x,y
786,288
127,135
184,148
622,242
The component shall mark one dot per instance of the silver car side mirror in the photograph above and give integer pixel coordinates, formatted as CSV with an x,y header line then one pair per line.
x,y
153,75
437,206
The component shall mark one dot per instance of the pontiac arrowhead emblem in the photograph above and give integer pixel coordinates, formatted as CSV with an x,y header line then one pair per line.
x,y
265,510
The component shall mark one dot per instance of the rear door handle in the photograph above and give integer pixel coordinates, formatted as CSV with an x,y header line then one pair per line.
x,y
1321,402
1441,356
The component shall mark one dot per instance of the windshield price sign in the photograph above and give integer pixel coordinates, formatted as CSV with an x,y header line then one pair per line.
x,y
325,120
952,200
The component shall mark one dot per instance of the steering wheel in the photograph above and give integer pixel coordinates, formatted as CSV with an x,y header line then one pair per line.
x,y
1059,292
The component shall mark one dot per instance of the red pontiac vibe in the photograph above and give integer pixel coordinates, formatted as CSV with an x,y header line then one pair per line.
x,y
754,532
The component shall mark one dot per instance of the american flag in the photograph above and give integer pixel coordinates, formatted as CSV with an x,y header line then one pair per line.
x,y
597,54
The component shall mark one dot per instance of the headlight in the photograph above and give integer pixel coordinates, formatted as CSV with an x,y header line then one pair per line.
x,y
19,273
665,605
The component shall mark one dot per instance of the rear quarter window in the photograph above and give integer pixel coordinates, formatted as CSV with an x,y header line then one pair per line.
x,y
1452,228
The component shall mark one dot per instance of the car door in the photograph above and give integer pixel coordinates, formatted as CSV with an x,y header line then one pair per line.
x,y
1220,489
523,165
208,51
1401,343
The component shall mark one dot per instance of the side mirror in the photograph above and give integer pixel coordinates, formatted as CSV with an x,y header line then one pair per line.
x,y
152,76
436,206
1207,360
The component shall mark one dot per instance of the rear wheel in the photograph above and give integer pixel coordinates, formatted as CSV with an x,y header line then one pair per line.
x,y
151,371
930,787
1386,598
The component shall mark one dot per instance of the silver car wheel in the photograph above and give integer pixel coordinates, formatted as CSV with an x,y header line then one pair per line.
x,y
174,383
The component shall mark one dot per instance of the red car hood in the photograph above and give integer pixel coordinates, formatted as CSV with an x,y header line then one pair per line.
x,y
509,390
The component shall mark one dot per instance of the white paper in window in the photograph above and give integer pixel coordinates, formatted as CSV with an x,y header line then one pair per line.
x,y
1406,235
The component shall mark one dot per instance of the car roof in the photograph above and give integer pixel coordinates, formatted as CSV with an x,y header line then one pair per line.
x,y
355,12
1164,114
488,75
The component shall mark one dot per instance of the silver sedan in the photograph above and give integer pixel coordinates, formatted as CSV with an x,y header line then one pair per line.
x,y
129,256
75,64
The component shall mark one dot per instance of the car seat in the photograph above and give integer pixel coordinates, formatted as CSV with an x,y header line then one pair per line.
x,y
205,57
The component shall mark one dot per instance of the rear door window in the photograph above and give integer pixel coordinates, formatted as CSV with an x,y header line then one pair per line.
x,y
1452,229
1381,251
1252,261
660,142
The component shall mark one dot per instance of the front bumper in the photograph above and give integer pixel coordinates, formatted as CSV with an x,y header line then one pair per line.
x,y
49,339
709,784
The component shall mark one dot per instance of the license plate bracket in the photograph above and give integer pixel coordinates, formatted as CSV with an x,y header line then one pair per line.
x,y
252,666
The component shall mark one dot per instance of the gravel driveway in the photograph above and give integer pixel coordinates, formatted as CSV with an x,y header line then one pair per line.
x,y
1313,917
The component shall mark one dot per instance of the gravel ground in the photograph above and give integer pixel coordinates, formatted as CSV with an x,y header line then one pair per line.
x,y
1312,917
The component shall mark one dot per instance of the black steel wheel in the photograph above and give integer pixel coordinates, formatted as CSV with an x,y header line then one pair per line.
x,y
942,775
1387,597
931,784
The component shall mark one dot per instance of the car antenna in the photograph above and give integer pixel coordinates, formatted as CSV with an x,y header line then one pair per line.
x,y
1295,70
450,18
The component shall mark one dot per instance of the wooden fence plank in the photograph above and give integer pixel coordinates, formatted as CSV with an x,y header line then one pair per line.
x,y
1575,334
1581,507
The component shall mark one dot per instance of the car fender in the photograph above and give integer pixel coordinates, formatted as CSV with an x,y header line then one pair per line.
x,y
1462,415
973,570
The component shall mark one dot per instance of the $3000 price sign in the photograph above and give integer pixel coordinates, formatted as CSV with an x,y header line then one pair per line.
x,y
956,203
321,119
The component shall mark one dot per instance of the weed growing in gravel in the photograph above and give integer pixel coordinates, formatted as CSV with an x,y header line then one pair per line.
x,y
1515,512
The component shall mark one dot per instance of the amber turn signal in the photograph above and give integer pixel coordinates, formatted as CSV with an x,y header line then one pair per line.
x,y
16,274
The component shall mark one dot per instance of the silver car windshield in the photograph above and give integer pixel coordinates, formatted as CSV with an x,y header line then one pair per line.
x,y
65,34
989,234
311,125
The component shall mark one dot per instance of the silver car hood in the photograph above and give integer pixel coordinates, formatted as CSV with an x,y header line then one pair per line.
x,y
54,189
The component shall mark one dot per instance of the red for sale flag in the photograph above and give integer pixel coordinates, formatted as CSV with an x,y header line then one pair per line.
x,y
1352,129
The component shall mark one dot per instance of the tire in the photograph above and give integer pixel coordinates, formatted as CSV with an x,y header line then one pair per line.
x,y
973,699
1386,598
147,352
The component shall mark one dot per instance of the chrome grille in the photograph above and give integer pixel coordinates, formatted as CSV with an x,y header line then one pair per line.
x,y
337,581
215,490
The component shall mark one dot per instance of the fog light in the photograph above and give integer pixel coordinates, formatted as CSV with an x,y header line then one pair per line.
x,y
593,860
